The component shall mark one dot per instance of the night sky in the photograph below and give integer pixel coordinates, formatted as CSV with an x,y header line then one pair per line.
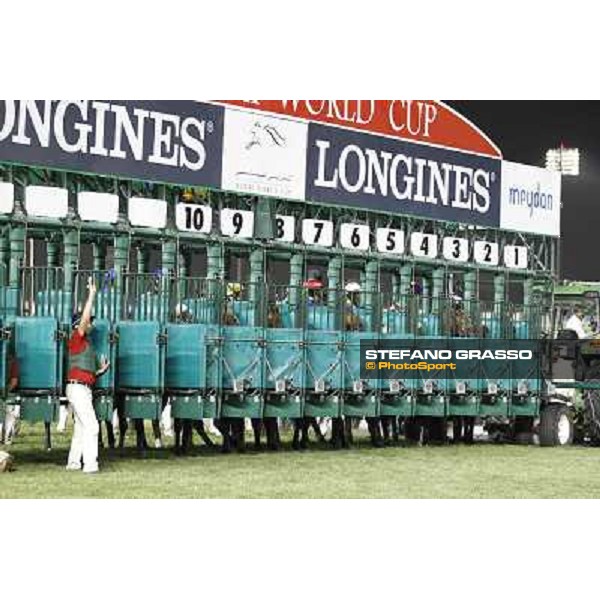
x,y
524,130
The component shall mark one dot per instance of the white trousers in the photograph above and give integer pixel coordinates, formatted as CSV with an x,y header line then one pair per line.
x,y
11,422
85,433
63,417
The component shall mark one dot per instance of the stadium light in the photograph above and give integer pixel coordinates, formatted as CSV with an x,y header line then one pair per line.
x,y
564,160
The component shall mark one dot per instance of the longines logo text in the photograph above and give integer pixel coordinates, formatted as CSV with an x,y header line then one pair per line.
x,y
107,130
367,171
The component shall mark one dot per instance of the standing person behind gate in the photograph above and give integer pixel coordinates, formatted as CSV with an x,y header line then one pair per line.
x,y
82,372
575,323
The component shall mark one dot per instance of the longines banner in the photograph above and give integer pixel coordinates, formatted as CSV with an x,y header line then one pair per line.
x,y
379,173
407,157
169,141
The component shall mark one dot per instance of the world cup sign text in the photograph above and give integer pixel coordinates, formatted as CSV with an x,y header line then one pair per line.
x,y
425,121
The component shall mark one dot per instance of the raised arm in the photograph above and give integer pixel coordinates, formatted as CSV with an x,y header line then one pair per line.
x,y
86,315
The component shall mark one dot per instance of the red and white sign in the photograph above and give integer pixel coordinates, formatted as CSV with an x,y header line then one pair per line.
x,y
424,121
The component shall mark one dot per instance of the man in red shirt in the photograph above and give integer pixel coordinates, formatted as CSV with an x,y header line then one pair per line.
x,y
82,371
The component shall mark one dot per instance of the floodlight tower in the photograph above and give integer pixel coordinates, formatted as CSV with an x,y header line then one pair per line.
x,y
564,160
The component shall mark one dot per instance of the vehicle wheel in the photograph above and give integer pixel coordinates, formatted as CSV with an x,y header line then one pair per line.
x,y
556,426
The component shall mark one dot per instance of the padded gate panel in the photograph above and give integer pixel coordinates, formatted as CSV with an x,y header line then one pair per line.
x,y
36,349
284,362
399,403
358,404
285,357
324,364
242,357
138,357
324,359
186,357
464,403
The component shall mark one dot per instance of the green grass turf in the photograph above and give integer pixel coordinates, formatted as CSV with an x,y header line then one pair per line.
x,y
480,471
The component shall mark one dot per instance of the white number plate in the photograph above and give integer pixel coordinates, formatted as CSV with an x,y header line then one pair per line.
x,y
237,223
285,229
423,245
390,241
486,253
516,257
354,237
456,249
148,212
317,233
193,217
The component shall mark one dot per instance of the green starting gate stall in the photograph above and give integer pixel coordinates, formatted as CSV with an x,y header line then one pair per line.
x,y
191,352
202,257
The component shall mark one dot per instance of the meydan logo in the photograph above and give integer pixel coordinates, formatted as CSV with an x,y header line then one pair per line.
x,y
534,199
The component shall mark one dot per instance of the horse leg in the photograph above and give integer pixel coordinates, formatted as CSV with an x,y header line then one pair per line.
x,y
375,432
48,436
201,431
186,438
224,426
395,429
347,435
337,433
140,434
177,429
469,429
257,430
239,434
157,433
298,423
315,427
123,427
272,430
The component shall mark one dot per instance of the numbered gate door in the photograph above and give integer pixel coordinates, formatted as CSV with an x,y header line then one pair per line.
x,y
397,393
186,370
361,395
102,340
284,376
465,388
242,372
495,383
527,383
38,356
140,368
323,373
